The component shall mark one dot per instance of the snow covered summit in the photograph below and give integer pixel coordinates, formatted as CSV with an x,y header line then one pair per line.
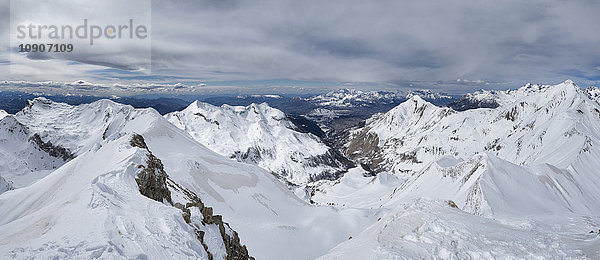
x,y
261,135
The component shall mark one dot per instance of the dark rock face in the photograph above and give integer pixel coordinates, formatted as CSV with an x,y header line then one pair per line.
x,y
304,125
138,141
51,149
155,184
364,148
233,246
332,158
152,179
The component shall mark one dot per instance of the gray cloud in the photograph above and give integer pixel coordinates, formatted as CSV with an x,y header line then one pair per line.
x,y
403,43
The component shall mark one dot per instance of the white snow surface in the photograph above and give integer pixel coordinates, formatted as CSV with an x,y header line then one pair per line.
x,y
96,192
257,134
431,229
3,113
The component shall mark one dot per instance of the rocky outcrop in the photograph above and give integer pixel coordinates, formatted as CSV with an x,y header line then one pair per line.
x,y
152,179
154,183
51,149
365,150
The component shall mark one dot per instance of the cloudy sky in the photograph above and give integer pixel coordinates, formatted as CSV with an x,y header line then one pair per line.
x,y
451,46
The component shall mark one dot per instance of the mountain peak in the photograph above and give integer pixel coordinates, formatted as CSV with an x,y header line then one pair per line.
x,y
569,82
3,114
418,99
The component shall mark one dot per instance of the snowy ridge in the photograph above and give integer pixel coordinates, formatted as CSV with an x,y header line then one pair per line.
x,y
496,98
77,128
261,135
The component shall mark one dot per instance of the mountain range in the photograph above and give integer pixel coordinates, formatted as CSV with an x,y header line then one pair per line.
x,y
491,174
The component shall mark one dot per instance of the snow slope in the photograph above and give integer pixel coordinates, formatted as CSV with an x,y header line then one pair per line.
x,y
261,135
432,229
3,113
271,221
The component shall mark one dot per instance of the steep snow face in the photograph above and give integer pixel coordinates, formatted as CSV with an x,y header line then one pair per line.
x,y
496,98
77,128
45,134
423,228
99,185
261,135
348,98
3,114
543,139
22,160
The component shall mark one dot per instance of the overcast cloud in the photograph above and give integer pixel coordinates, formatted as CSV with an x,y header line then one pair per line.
x,y
453,46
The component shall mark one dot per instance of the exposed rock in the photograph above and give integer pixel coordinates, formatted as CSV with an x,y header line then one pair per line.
x,y
152,179
365,145
51,149
452,204
154,183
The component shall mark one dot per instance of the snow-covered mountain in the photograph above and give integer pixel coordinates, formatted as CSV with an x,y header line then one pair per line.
x,y
3,114
143,188
547,137
516,181
348,98
455,181
261,135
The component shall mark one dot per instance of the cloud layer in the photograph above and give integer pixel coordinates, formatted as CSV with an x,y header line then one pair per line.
x,y
455,46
